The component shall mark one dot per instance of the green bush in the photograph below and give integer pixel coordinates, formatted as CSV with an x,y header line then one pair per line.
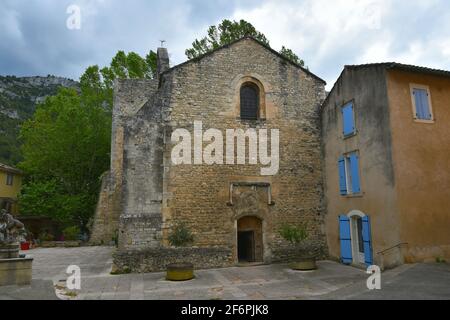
x,y
71,233
181,236
440,260
45,236
294,234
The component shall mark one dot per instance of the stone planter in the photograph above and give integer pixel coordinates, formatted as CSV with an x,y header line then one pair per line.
x,y
48,244
180,272
72,244
15,271
9,251
60,244
304,264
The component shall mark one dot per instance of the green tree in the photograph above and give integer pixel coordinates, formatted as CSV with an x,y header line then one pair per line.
x,y
66,144
289,54
228,31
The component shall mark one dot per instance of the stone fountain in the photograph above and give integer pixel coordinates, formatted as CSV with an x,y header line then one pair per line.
x,y
14,269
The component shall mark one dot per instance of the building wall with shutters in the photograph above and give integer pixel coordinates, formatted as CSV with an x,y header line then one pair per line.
x,y
367,89
421,153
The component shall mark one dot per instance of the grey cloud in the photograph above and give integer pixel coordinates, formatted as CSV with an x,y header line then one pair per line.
x,y
34,38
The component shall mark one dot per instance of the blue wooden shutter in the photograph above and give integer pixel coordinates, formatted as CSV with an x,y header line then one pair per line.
x,y
367,239
354,165
342,177
348,119
422,106
346,240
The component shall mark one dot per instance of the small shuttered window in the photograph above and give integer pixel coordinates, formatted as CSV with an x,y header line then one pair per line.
x,y
422,104
353,161
249,102
349,174
348,120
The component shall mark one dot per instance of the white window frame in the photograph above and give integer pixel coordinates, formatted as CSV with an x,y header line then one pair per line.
x,y
358,257
9,179
413,86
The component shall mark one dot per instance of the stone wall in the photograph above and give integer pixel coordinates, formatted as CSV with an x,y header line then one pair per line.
x,y
207,90
157,259
291,253
129,98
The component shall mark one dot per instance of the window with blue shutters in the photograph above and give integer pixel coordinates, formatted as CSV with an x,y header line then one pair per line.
x,y
348,120
421,103
349,174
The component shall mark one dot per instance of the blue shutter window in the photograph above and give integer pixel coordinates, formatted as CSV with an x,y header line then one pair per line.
x,y
345,239
348,120
423,110
342,177
367,239
354,169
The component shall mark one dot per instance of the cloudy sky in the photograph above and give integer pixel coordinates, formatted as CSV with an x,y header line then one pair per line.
x,y
327,34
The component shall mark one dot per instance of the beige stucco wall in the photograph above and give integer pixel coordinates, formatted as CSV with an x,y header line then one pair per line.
x,y
421,154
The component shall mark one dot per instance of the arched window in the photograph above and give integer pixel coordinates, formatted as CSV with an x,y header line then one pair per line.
x,y
249,101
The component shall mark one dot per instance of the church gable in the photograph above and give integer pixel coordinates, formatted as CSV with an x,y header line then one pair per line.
x,y
257,45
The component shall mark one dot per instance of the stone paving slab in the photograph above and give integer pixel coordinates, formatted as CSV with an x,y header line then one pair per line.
x,y
38,290
330,281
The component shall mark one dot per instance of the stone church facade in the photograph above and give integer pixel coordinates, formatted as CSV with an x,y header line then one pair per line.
x,y
233,212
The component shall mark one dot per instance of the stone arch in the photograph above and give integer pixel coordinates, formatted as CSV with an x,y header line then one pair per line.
x,y
357,213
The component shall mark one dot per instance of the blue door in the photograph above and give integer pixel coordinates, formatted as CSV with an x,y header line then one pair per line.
x,y
345,239
367,239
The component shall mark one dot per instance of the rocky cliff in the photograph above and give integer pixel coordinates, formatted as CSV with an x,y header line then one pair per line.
x,y
18,100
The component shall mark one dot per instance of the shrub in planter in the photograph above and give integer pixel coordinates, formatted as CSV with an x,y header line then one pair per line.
x,y
181,236
71,233
45,236
297,235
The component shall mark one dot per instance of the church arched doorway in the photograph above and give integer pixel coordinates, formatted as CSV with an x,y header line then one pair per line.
x,y
250,240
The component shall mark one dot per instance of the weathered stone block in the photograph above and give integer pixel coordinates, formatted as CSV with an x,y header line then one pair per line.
x,y
15,271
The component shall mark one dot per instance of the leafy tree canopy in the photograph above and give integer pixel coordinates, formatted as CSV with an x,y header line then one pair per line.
x,y
289,54
228,31
66,144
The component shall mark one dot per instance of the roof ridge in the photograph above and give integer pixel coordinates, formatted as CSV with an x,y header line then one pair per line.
x,y
399,65
10,168
389,65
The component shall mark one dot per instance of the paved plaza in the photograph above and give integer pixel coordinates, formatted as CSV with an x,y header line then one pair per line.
x,y
330,281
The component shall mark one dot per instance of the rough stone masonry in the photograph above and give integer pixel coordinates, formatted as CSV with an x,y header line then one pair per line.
x,y
234,212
